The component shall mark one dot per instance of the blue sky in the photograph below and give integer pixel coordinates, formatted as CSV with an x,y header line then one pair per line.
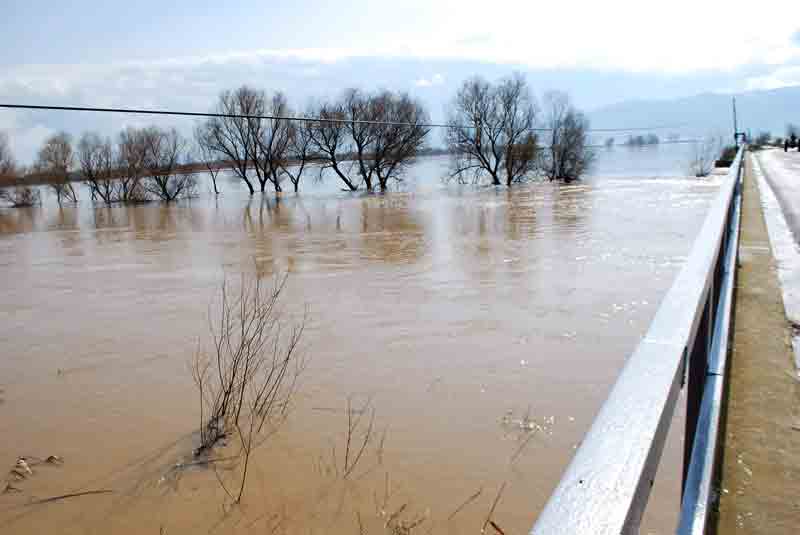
x,y
180,54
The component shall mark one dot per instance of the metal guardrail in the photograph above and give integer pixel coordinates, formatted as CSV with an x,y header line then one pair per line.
x,y
606,487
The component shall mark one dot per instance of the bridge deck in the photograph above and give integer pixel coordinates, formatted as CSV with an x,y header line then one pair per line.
x,y
761,453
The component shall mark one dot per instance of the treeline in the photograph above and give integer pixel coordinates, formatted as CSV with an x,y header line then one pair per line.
x,y
640,140
143,164
496,133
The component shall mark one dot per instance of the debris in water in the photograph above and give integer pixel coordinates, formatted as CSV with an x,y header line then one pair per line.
x,y
71,495
23,465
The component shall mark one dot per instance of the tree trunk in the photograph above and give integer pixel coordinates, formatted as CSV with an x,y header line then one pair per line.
x,y
249,186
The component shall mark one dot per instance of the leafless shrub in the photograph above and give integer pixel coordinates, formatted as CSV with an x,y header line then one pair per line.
x,y
569,155
96,160
56,161
703,154
246,383
492,131
164,155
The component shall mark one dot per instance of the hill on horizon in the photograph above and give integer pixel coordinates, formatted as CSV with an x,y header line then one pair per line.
x,y
707,113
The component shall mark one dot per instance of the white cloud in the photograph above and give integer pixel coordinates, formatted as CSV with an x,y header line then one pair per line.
x,y
436,79
781,77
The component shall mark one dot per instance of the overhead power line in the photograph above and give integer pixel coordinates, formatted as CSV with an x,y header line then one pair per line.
x,y
290,118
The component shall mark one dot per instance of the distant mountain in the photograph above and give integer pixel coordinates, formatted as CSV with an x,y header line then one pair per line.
x,y
706,113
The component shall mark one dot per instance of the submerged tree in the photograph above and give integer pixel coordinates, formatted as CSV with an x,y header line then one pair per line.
x,y
15,193
7,163
381,133
131,161
568,155
96,162
271,139
232,135
330,140
164,157
491,131
400,134
56,161
298,152
205,153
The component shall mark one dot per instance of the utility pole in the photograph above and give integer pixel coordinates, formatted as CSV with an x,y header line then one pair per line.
x,y
735,125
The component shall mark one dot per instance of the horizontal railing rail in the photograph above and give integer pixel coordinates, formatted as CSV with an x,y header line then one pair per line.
x,y
606,487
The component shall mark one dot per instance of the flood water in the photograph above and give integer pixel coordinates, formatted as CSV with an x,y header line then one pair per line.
x,y
443,307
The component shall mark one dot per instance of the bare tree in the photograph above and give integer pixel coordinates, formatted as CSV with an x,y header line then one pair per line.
x,y
206,154
232,138
96,160
56,161
356,143
164,156
491,131
568,155
299,152
247,382
792,132
360,114
7,163
20,196
762,139
703,154
271,138
17,194
131,156
399,135
330,140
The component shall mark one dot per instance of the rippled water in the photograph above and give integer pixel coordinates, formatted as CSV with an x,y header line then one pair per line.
x,y
446,307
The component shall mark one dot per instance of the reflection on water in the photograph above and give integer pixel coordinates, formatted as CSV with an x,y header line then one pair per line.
x,y
446,307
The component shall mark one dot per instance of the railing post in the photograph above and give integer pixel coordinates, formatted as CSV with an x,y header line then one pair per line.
x,y
697,367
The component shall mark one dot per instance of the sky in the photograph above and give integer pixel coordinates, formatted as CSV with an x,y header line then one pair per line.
x,y
179,54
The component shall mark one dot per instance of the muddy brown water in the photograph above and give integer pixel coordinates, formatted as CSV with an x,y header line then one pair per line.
x,y
445,307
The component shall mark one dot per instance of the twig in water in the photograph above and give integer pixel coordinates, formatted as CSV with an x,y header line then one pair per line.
x,y
394,515
380,446
70,495
496,527
464,504
521,447
491,511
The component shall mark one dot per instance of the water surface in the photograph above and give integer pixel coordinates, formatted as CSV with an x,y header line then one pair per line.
x,y
447,308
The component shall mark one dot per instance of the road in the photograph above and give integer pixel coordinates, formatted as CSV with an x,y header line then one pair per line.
x,y
782,171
